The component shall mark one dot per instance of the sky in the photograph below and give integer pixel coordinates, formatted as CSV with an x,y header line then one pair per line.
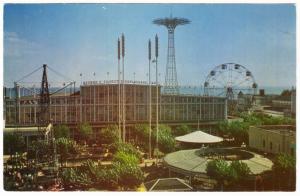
x,y
82,38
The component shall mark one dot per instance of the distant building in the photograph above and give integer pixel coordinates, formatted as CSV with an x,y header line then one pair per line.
x,y
273,139
244,101
293,103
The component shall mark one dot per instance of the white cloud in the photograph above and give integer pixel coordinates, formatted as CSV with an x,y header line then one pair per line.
x,y
15,46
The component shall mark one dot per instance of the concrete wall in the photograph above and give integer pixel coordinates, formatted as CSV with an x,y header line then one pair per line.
x,y
272,140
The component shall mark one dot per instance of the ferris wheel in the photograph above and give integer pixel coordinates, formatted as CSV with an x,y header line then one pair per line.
x,y
229,80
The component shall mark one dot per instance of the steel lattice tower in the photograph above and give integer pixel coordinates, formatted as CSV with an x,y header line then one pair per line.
x,y
44,99
171,83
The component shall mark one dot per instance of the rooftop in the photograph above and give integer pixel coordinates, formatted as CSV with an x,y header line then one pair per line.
x,y
168,184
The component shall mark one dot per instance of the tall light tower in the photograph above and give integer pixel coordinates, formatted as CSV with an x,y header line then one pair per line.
x,y
156,74
119,90
171,83
150,97
123,89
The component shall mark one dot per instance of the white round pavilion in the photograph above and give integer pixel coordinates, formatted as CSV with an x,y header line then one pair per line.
x,y
199,137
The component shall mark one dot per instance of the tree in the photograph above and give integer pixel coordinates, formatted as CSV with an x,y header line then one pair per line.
x,y
242,169
181,130
130,174
286,93
141,131
110,134
239,130
85,131
222,127
218,169
13,143
166,141
236,129
284,168
61,131
227,174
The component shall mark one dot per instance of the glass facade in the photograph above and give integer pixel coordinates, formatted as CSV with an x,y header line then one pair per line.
x,y
98,104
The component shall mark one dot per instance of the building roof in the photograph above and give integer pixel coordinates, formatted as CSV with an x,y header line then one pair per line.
x,y
168,184
28,130
194,161
199,137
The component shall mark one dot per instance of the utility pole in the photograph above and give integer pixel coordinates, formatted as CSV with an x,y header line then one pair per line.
x,y
150,112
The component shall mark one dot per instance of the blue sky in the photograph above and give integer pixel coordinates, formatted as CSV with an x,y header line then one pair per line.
x,y
81,38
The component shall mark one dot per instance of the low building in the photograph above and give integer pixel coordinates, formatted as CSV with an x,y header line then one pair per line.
x,y
98,104
273,139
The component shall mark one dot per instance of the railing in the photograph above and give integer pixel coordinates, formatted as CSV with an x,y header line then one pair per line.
x,y
88,83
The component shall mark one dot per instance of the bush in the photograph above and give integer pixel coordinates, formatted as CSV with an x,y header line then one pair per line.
x,y
13,143
127,148
41,150
85,131
124,172
73,177
125,158
254,119
109,135
130,175
61,131
103,176
65,147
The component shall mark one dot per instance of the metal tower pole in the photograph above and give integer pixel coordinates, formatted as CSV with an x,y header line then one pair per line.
x,y
171,83
156,56
150,112
119,90
108,104
17,103
123,91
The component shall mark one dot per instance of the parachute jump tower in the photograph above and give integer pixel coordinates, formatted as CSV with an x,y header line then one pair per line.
x,y
171,83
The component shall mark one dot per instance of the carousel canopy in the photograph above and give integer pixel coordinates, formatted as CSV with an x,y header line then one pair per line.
x,y
199,137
